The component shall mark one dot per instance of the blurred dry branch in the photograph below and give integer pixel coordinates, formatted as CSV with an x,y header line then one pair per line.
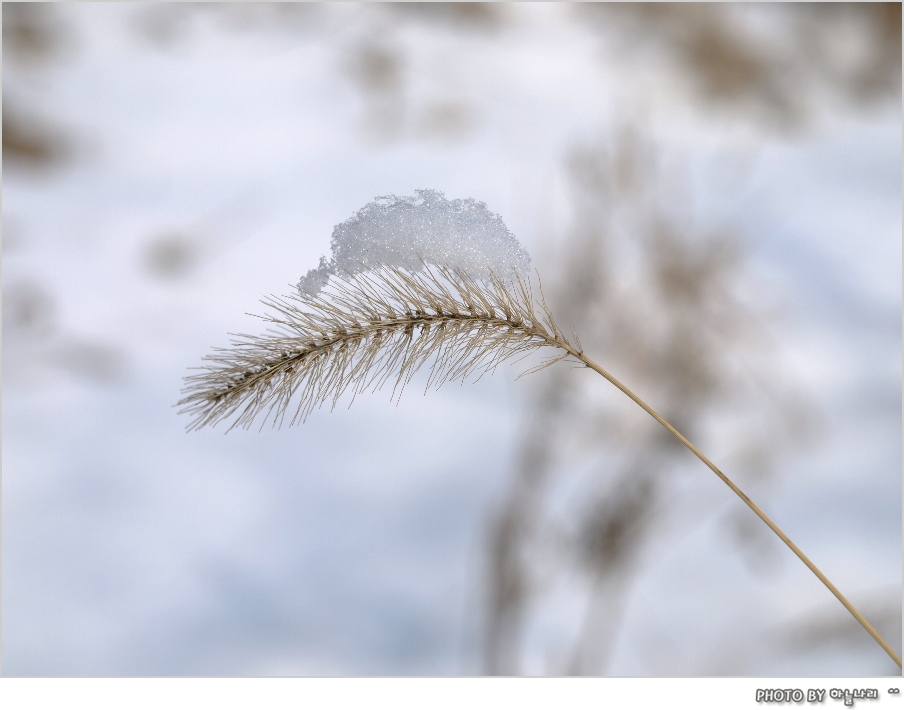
x,y
658,305
853,50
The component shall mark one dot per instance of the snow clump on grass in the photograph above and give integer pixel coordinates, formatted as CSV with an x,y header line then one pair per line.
x,y
426,228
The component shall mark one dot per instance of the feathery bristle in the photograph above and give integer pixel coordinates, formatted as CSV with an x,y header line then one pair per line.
x,y
363,331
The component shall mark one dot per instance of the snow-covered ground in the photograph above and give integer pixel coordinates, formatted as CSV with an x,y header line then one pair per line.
x,y
208,156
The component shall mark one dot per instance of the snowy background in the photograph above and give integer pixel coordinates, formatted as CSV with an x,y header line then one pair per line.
x,y
167,166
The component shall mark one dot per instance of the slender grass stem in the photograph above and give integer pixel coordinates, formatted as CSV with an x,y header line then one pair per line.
x,y
753,506
383,326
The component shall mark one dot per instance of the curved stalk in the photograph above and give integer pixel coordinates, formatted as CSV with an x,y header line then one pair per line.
x,y
753,506
383,326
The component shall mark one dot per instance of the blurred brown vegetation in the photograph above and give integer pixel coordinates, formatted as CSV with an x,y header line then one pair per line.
x,y
382,69
676,329
657,302
33,33
34,40
28,142
850,50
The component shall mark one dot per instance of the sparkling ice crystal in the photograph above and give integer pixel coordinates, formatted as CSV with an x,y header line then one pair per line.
x,y
407,232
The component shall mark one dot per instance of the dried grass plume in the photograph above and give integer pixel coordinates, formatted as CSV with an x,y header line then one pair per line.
x,y
382,325
364,331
